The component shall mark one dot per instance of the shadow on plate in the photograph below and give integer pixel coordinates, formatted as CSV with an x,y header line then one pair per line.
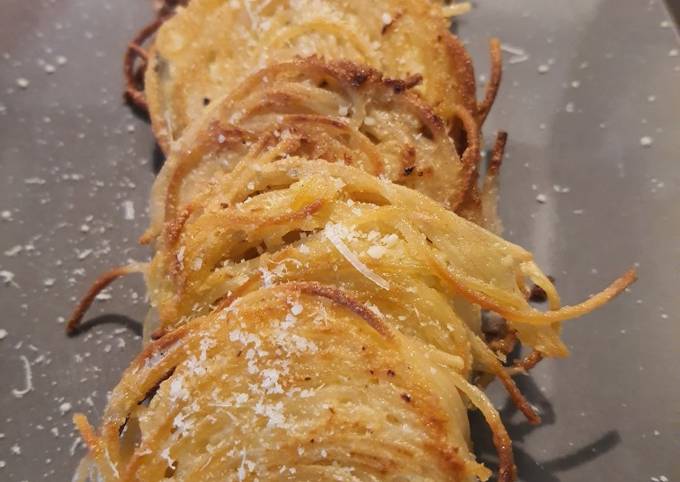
x,y
157,158
133,326
529,469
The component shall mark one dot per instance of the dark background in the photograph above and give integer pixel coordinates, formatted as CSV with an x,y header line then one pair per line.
x,y
72,156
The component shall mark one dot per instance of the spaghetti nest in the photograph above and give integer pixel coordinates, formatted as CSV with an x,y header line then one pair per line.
x,y
389,282
335,112
200,53
294,219
323,252
292,382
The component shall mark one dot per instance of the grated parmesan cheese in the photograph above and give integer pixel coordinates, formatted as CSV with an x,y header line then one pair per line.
x,y
376,252
128,210
268,277
28,376
180,254
7,277
14,250
177,390
333,233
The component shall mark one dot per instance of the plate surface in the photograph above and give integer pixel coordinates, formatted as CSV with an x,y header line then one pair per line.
x,y
591,100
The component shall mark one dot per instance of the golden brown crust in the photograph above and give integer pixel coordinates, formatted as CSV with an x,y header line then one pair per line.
x,y
191,350
151,97
492,86
464,77
136,57
279,100
444,64
341,298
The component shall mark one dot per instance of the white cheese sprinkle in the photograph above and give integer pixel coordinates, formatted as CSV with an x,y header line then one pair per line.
x,y
14,250
177,390
646,141
7,277
28,378
333,234
376,252
128,210
84,254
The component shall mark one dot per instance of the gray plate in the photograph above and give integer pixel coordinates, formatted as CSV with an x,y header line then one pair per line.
x,y
73,157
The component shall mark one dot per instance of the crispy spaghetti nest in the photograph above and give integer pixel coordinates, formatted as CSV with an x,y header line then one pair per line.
x,y
314,319
412,269
203,51
286,383
337,112
273,219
